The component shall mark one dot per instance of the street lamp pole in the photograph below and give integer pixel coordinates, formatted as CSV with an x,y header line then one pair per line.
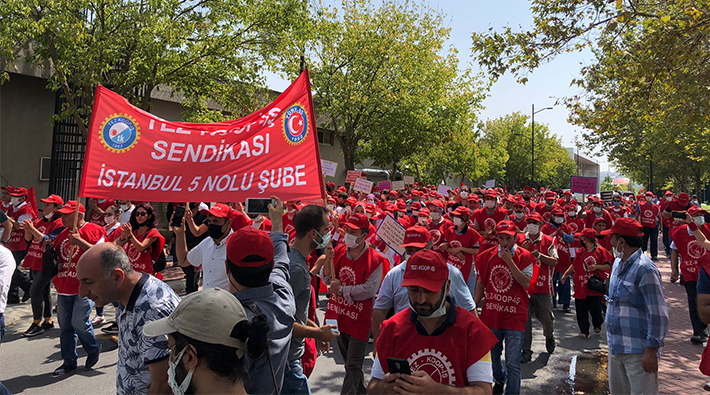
x,y
532,167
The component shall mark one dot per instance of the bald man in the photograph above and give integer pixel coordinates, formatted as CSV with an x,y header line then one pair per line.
x,y
106,275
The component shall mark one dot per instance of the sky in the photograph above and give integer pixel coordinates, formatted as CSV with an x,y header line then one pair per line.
x,y
545,85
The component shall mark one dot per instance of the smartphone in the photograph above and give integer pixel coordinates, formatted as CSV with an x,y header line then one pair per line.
x,y
257,206
678,214
178,214
334,323
397,365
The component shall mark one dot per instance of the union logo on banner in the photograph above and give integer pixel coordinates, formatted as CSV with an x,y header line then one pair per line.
x,y
295,124
119,133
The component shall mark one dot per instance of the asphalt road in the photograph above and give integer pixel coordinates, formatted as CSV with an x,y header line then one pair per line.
x,y
26,364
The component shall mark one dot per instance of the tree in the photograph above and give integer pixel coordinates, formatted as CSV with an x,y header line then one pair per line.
x,y
201,50
513,133
379,74
640,100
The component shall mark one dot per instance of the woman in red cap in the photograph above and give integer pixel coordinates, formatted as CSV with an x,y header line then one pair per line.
x,y
590,260
50,223
461,244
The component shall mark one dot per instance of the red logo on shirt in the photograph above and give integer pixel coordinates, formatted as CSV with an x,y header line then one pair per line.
x,y
501,279
436,364
347,276
574,226
489,224
695,250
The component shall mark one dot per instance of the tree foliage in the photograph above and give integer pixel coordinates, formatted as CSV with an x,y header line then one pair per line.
x,y
642,99
203,50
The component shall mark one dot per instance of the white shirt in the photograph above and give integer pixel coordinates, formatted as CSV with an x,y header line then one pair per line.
x,y
212,257
7,268
126,216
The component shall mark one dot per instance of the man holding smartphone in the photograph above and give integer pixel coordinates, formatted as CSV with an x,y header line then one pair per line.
x,y
433,347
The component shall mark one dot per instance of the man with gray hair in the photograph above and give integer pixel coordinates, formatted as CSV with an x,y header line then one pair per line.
x,y
106,275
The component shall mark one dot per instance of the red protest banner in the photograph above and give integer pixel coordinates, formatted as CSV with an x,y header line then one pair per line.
x,y
585,185
134,155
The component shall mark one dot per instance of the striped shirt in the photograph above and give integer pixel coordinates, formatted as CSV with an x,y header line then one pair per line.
x,y
637,315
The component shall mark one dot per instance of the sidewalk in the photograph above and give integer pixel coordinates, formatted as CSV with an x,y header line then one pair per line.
x,y
678,368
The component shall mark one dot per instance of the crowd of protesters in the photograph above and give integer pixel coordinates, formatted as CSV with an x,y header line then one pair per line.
x,y
451,309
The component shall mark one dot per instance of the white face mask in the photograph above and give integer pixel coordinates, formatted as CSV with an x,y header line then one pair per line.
x,y
435,216
490,204
393,201
368,215
668,199
519,216
109,219
464,195
458,221
559,220
48,216
351,241
440,311
14,200
533,229
571,213
415,212
699,220
178,389
125,207
423,221
330,207
597,210
618,254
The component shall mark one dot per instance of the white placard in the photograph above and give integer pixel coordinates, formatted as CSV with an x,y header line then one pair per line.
x,y
398,185
491,184
409,180
362,185
392,233
443,190
329,168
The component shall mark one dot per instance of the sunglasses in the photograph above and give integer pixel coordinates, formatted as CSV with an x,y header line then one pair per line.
x,y
141,213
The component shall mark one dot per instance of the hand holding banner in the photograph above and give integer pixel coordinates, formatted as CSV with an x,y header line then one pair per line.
x,y
362,185
392,233
134,155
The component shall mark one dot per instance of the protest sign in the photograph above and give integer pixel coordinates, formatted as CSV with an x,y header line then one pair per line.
x,y
409,180
398,185
443,190
606,196
384,185
362,185
392,233
585,185
329,168
134,155
352,176
490,184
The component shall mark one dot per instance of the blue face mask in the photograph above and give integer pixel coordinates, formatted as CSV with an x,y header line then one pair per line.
x,y
325,240
617,204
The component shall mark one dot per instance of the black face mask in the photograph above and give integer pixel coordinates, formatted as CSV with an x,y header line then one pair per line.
x,y
215,231
600,237
341,204
526,197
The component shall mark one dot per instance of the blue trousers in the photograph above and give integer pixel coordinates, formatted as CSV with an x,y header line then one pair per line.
x,y
73,314
510,374
295,382
562,291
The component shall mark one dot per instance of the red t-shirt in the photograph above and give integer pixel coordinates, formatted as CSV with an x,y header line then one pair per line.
x,y
466,240
690,251
581,262
506,302
288,222
113,233
353,318
97,218
33,259
543,285
649,215
674,205
487,222
544,211
437,232
618,212
17,240
575,223
265,225
668,222
143,261
65,281
445,357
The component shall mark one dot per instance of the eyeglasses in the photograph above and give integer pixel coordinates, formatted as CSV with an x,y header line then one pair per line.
x,y
140,213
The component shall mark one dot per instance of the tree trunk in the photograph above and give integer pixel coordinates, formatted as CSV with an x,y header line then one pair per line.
x,y
394,171
419,174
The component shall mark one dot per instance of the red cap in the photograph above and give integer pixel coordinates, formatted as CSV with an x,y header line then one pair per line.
x,y
56,199
393,192
437,203
550,195
426,269
519,202
669,193
249,241
567,193
534,217
358,221
370,207
683,198
416,236
240,220
588,232
461,211
432,193
649,193
506,227
351,200
220,210
528,189
598,220
416,193
557,211
70,207
416,205
402,207
331,200
625,227
424,212
695,210
472,197
572,206
490,193
19,192
9,189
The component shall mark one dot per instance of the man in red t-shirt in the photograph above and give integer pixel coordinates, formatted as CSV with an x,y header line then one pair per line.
x,y
486,219
461,245
543,249
518,214
437,223
358,274
648,217
667,222
444,345
506,275
21,211
597,211
545,209
73,311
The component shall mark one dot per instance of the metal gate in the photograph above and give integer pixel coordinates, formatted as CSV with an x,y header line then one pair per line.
x,y
68,147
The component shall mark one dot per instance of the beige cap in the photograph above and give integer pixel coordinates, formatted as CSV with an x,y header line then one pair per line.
x,y
208,316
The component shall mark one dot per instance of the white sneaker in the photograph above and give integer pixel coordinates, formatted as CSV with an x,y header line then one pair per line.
x,y
98,321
